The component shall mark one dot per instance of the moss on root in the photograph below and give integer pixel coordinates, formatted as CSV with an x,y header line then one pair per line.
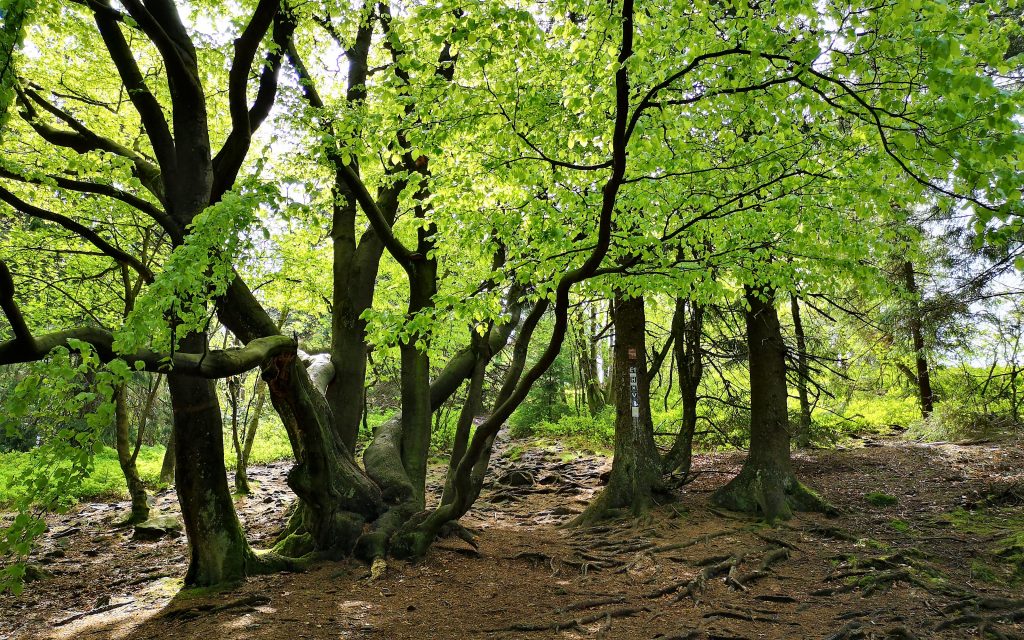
x,y
773,494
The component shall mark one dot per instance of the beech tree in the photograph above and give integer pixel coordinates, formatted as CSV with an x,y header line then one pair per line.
x,y
484,162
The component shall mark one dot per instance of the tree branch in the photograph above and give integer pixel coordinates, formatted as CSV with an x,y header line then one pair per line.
x,y
245,120
145,102
221,363
78,228
82,140
110,191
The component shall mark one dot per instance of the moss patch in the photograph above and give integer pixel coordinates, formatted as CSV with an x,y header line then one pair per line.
x,y
879,499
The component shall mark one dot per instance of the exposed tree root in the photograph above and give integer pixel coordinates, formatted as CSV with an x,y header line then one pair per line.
x,y
857,630
675,546
686,588
771,493
590,604
573,623
881,573
772,557
246,604
987,615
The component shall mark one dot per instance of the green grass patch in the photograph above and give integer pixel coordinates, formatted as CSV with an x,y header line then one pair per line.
x,y
106,480
902,526
879,499
1005,557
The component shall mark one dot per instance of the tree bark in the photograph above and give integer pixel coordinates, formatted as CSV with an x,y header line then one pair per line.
x,y
802,437
688,328
924,384
218,549
766,483
636,467
167,467
136,489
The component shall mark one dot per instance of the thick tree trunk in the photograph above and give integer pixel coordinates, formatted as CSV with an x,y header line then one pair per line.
x,y
355,273
687,329
802,437
415,380
336,497
766,483
218,549
924,384
136,489
636,467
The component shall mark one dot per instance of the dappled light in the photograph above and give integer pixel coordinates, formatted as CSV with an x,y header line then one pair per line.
x,y
572,319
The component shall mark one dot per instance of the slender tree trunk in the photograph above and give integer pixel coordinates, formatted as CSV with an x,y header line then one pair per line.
x,y
254,422
470,409
924,384
802,437
688,328
234,386
766,483
167,467
136,489
636,467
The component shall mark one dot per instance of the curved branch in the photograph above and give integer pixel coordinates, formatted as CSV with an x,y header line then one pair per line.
x,y
81,139
109,191
220,363
246,120
78,228
138,92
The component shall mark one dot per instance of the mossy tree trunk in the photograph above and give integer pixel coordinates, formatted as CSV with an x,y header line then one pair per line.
x,y
687,329
636,467
126,459
766,483
218,550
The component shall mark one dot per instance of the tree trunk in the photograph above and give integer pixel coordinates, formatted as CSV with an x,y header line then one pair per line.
x,y
167,467
924,384
254,422
415,379
586,349
636,467
234,386
470,409
136,489
218,549
802,437
766,483
687,328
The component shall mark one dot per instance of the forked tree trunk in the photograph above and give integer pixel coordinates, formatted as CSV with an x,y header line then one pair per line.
x,y
636,467
136,489
924,383
687,328
766,483
802,437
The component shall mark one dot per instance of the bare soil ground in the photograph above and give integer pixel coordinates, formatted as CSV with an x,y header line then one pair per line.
x,y
903,570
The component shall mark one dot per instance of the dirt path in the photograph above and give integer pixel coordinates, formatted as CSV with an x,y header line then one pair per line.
x,y
902,570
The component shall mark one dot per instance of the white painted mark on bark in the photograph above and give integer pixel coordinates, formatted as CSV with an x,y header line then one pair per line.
x,y
634,393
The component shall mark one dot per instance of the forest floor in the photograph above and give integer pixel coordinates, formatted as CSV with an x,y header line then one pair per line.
x,y
923,548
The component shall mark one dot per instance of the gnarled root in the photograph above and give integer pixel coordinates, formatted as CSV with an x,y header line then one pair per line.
x,y
773,493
